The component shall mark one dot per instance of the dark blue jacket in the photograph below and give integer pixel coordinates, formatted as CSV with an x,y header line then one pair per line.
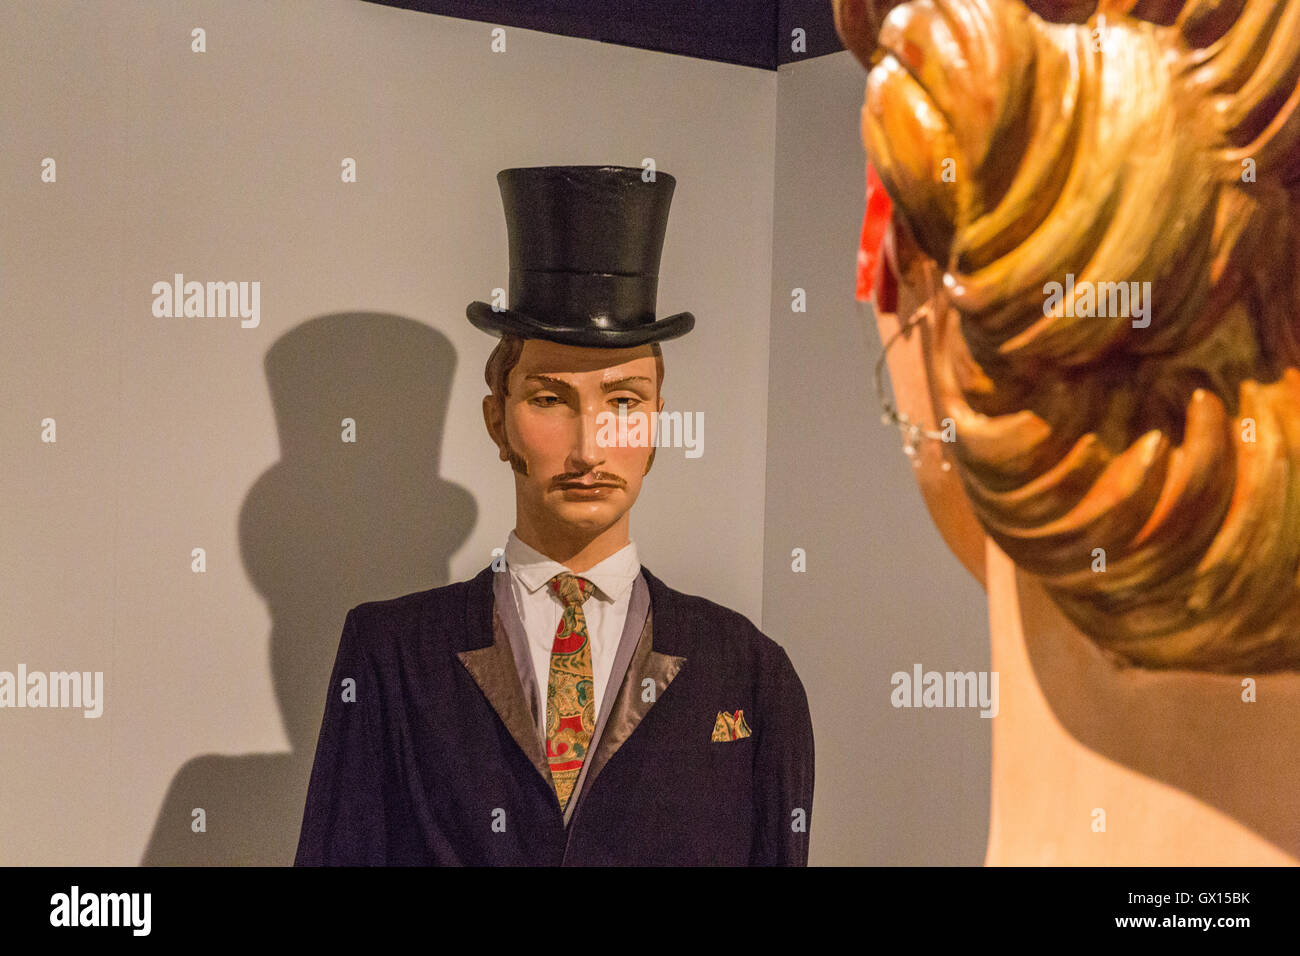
x,y
435,763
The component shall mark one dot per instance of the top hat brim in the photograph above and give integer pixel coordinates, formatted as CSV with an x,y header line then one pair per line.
x,y
512,322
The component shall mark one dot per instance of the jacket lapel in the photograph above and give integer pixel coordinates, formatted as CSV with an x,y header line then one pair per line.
x,y
493,668
633,702
653,659
491,663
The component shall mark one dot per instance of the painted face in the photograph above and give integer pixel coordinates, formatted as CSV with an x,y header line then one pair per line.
x,y
561,431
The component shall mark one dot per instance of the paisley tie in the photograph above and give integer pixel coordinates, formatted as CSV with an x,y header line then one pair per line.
x,y
570,691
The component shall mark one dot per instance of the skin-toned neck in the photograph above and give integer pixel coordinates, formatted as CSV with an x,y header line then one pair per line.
x,y
577,551
1100,765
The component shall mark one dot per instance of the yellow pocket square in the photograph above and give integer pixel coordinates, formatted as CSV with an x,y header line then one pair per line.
x,y
730,727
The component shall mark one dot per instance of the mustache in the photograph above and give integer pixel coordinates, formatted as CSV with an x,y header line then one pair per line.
x,y
599,477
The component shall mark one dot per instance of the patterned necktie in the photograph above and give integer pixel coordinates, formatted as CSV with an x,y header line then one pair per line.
x,y
570,691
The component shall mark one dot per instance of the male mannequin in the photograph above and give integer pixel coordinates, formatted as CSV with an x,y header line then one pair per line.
x,y
564,707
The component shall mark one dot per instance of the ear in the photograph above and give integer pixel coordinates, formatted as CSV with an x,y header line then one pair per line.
x,y
494,419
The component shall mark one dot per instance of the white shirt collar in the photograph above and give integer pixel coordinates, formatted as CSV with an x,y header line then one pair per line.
x,y
612,577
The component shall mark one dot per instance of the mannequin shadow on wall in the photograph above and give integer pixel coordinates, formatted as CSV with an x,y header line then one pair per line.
x,y
330,525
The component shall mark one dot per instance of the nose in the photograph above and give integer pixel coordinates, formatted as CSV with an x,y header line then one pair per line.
x,y
586,452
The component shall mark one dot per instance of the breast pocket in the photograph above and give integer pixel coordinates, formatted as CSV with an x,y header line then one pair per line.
x,y
731,763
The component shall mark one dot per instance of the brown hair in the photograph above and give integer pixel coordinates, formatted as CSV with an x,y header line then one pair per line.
x,y
506,356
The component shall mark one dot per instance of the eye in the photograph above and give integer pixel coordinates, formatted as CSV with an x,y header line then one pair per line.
x,y
631,402
545,401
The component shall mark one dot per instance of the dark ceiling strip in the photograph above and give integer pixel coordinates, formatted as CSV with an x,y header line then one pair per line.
x,y
754,33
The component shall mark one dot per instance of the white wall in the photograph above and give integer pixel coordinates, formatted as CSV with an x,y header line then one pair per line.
x,y
881,591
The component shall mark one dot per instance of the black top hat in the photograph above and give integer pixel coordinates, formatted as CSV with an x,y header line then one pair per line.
x,y
584,257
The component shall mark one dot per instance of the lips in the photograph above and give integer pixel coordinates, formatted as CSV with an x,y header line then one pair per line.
x,y
578,491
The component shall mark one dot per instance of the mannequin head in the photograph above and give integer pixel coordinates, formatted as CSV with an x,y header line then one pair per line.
x,y
1144,465
542,414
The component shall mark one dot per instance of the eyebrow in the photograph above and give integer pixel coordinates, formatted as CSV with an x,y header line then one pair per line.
x,y
604,386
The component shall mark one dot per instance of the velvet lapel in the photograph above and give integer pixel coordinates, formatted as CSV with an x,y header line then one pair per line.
x,y
652,659
488,658
492,666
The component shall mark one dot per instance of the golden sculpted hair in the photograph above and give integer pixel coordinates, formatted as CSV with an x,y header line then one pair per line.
x,y
503,359
1143,463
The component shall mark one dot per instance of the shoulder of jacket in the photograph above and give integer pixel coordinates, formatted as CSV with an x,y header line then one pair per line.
x,y
730,626
400,615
